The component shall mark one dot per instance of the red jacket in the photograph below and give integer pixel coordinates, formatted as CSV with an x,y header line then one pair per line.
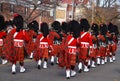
x,y
86,37
2,34
20,38
43,42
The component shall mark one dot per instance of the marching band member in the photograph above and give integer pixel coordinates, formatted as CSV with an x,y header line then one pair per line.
x,y
85,41
113,30
2,40
102,44
42,46
18,40
71,49
95,44
55,37
32,33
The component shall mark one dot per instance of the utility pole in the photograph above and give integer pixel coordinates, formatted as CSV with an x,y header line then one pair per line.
x,y
73,8
92,11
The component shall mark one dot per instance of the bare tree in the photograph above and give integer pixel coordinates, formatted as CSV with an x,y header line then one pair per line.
x,y
103,10
34,8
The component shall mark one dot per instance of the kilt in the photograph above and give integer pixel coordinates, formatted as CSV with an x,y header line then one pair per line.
x,y
41,53
83,54
114,47
61,59
94,53
1,51
70,60
73,59
30,47
19,54
108,50
98,53
102,51
44,53
57,50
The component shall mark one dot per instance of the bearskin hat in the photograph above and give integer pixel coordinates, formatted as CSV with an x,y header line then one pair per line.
x,y
56,26
45,29
110,27
2,22
34,26
116,29
18,22
95,28
74,28
85,24
30,25
64,27
103,29
9,25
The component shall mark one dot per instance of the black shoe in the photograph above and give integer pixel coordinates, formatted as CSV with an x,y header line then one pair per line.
x,y
98,64
52,63
80,71
13,73
39,66
68,77
89,66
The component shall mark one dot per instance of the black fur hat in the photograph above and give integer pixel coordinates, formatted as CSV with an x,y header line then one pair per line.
x,y
30,25
74,28
56,26
34,26
44,29
64,27
110,27
116,29
2,22
18,22
9,23
94,28
103,29
85,24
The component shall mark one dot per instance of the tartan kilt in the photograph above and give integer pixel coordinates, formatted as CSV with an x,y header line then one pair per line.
x,y
56,50
114,47
45,53
67,60
83,54
73,59
1,51
102,51
61,59
41,53
70,59
94,53
30,47
98,53
108,50
19,54
37,54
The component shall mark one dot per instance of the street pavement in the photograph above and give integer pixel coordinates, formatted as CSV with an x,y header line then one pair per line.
x,y
107,72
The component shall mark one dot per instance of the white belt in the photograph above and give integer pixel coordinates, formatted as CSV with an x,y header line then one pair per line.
x,y
17,40
71,46
18,43
84,43
43,43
